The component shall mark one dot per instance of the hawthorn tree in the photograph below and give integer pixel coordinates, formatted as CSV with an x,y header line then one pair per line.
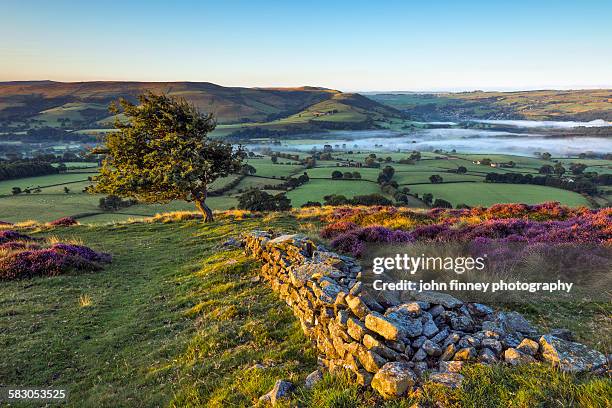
x,y
162,152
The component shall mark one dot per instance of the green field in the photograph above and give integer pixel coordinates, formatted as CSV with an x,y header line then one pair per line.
x,y
315,190
486,194
53,202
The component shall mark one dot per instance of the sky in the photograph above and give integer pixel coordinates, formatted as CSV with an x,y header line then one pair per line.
x,y
346,45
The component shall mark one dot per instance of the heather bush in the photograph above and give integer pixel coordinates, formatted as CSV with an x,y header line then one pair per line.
x,y
63,222
22,256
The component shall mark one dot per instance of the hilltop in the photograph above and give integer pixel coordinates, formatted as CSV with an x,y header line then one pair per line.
x,y
580,105
178,303
83,105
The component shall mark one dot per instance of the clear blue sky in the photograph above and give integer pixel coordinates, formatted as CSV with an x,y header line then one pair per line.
x,y
347,45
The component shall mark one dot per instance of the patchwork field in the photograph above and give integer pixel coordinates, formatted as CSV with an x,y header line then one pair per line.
x,y
53,201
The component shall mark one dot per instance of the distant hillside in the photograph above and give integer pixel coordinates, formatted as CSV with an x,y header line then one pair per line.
x,y
47,103
580,105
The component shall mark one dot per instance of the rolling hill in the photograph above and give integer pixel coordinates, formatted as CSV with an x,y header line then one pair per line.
x,y
579,105
80,105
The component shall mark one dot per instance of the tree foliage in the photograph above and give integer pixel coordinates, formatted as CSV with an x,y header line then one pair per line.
x,y
162,152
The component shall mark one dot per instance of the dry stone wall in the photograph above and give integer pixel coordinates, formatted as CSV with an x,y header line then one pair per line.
x,y
391,343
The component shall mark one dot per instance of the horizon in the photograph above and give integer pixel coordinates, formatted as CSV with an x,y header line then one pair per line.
x,y
389,91
442,47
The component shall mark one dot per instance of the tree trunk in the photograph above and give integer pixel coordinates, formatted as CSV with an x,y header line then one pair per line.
x,y
204,209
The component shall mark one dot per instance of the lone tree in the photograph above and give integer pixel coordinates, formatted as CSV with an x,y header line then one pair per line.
x,y
162,152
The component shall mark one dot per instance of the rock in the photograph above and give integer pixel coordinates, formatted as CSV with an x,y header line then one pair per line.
x,y
393,379
379,347
370,360
363,377
480,310
465,354
515,322
529,347
413,309
451,366
570,356
449,352
438,298
420,355
313,378
438,338
384,326
418,342
451,380
451,339
515,357
436,310
408,326
494,345
462,323
468,341
487,356
512,340
429,327
233,242
357,306
356,289
431,348
355,328
281,389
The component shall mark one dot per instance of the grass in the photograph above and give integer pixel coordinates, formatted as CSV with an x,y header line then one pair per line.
x,y
167,313
315,190
176,320
486,194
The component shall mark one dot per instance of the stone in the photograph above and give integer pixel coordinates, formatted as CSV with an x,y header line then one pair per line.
x,y
418,342
468,341
408,326
398,346
429,327
384,326
487,356
515,322
431,348
420,355
438,298
363,377
570,356
462,323
357,306
370,360
413,309
451,366
313,378
465,354
355,328
439,338
436,310
393,379
379,347
342,318
449,352
492,344
356,289
514,357
528,346
281,389
480,310
451,339
512,340
451,380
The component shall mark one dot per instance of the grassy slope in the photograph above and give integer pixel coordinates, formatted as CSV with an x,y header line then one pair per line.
x,y
48,101
533,105
177,321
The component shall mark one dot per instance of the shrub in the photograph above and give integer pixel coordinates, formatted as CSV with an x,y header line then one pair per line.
x,y
257,200
24,257
64,222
